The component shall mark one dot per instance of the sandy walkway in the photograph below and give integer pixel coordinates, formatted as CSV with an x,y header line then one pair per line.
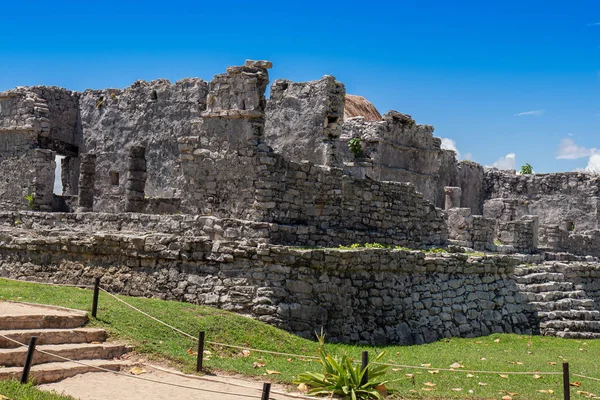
x,y
107,386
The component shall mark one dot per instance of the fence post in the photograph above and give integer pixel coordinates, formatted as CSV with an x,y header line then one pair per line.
x,y
95,300
28,359
566,384
266,391
365,364
200,352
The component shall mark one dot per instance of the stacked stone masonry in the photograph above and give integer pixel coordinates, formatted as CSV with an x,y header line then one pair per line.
x,y
234,179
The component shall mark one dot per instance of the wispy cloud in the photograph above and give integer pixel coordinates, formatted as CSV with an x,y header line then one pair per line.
x,y
594,24
509,161
536,113
449,144
569,150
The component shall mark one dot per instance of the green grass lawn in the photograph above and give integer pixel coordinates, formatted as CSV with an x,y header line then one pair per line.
x,y
13,390
491,353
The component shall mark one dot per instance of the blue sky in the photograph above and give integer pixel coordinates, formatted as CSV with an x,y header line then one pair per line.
x,y
467,67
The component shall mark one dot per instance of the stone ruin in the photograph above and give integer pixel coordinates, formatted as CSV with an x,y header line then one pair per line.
x,y
213,194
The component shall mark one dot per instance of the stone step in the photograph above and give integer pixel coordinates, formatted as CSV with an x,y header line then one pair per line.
x,y
540,277
577,335
548,327
56,371
573,315
15,357
32,316
563,304
546,287
553,295
532,269
52,336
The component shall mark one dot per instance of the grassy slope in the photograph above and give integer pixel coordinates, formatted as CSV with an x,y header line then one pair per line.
x,y
15,391
492,353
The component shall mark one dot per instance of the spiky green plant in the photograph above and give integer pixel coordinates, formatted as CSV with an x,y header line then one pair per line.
x,y
342,377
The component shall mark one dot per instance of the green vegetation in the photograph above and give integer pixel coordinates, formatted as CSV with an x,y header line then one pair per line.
x,y
355,147
342,377
491,353
355,246
14,390
30,200
526,169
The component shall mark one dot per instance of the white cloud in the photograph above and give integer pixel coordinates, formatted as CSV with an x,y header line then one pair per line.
x,y
594,24
593,165
569,150
536,113
468,156
509,161
449,144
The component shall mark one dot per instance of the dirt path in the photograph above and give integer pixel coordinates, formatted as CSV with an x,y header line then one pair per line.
x,y
107,386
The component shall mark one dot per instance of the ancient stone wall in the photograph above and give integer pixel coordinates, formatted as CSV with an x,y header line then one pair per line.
x,y
364,296
151,114
304,119
558,238
230,172
585,275
396,149
553,197
62,110
522,235
473,231
23,120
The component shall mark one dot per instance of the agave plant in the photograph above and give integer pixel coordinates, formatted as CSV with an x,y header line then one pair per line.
x,y
342,377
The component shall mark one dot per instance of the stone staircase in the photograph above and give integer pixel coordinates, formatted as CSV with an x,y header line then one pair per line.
x,y
560,307
60,332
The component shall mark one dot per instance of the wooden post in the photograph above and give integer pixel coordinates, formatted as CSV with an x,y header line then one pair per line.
x,y
200,352
266,391
365,364
566,384
28,359
95,300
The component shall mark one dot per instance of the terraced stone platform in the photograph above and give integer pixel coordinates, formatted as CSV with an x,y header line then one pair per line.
x,y
561,308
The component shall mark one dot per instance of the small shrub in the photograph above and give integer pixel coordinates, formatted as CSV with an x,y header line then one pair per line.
x,y
343,378
526,169
100,103
355,147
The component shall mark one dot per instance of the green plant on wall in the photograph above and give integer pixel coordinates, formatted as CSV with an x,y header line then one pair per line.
x,y
526,169
30,199
355,147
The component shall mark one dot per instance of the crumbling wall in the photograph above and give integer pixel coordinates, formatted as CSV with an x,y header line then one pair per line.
x,y
522,235
470,180
304,119
473,231
151,114
23,120
230,172
363,296
62,111
558,238
397,149
554,198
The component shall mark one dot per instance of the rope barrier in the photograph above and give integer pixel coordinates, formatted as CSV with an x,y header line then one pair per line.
x,y
586,377
317,358
299,355
49,283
